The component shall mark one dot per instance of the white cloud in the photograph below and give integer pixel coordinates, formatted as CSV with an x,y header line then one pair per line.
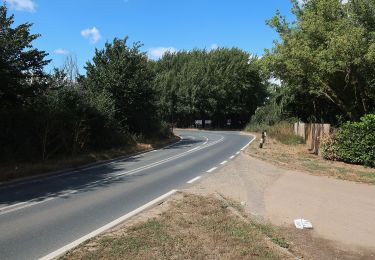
x,y
61,51
93,34
158,52
22,5
214,46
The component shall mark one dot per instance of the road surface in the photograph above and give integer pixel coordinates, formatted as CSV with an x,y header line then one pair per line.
x,y
42,215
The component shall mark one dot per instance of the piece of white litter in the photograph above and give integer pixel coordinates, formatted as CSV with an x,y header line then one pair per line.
x,y
243,203
302,223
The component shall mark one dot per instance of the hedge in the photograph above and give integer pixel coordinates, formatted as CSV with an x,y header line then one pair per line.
x,y
353,143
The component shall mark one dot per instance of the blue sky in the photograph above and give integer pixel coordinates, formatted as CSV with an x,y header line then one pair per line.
x,y
80,26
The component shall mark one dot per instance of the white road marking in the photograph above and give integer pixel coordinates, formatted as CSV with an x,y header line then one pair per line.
x,y
125,173
212,169
238,153
109,162
26,204
231,157
195,179
206,140
222,163
252,140
110,225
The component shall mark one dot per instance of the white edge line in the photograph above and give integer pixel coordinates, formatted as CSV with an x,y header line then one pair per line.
x,y
231,157
110,225
195,179
224,162
238,153
212,169
125,173
252,140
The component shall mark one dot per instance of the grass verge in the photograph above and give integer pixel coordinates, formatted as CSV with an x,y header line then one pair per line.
x,y
10,171
282,132
297,157
193,227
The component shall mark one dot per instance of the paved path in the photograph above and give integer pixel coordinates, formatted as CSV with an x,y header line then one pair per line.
x,y
40,216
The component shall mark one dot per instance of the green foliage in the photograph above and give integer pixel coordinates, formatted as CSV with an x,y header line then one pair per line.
x,y
326,59
353,143
220,84
329,147
120,80
60,123
21,65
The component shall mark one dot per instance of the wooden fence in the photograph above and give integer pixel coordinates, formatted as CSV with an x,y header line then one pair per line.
x,y
312,134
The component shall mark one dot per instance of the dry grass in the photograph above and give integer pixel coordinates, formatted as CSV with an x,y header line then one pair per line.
x,y
11,171
297,157
193,227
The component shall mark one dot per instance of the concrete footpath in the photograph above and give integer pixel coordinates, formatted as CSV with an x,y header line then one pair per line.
x,y
341,212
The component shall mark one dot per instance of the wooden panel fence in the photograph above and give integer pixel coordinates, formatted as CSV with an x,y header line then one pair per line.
x,y
312,134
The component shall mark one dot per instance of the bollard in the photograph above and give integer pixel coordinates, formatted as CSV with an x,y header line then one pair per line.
x,y
261,143
264,135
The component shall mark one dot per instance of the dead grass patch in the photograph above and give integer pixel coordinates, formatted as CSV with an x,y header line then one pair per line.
x,y
193,227
297,157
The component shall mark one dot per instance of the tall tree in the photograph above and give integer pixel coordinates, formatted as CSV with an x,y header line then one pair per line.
x,y
326,55
220,84
122,73
21,65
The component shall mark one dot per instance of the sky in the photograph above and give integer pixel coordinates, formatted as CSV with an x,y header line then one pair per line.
x,y
77,27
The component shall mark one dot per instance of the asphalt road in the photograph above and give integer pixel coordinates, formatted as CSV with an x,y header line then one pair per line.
x,y
42,215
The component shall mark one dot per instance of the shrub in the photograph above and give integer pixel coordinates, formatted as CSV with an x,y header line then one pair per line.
x,y
353,143
329,146
356,141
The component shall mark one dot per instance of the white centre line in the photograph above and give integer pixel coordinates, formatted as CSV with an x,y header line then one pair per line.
x,y
195,179
222,163
117,176
110,225
212,169
231,157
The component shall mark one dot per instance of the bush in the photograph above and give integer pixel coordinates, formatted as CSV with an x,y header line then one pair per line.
x,y
329,147
353,143
60,123
356,141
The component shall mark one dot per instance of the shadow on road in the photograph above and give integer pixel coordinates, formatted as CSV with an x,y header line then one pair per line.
x,y
79,181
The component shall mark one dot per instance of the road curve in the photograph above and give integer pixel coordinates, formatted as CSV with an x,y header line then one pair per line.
x,y
42,215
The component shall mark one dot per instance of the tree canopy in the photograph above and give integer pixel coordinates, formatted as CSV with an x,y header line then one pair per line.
x,y
21,65
219,85
326,58
120,74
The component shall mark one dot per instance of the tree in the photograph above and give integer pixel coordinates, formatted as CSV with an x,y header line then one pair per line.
x,y
327,57
21,65
220,84
122,74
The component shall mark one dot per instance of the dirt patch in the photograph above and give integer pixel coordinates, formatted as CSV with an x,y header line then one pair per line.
x,y
342,212
298,157
193,227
